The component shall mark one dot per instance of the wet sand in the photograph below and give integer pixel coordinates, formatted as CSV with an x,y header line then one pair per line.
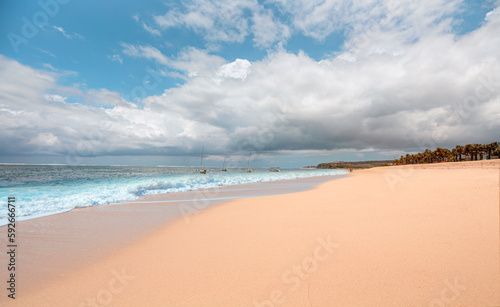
x,y
52,246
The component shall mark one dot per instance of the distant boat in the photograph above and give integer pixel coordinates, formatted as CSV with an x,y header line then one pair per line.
x,y
224,168
248,169
202,170
275,169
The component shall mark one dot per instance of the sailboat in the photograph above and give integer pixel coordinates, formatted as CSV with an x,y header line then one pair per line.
x,y
202,170
224,168
248,169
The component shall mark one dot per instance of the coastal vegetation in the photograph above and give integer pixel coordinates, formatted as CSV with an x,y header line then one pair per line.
x,y
354,165
469,152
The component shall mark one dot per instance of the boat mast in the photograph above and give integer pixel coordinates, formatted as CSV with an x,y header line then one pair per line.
x,y
201,160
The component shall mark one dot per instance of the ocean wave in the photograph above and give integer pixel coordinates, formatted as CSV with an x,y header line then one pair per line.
x,y
52,199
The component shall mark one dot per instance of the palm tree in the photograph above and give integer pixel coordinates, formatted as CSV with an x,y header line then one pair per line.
x,y
447,154
484,149
437,154
408,159
474,151
490,148
478,150
427,155
454,153
420,157
434,156
460,151
496,152
468,151
441,154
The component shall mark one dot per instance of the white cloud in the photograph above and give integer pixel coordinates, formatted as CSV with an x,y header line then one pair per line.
x,y
227,21
35,121
146,27
195,62
223,21
105,97
320,18
233,21
191,62
237,69
493,16
56,98
67,35
384,96
316,18
116,58
148,52
48,53
151,30
49,67
267,30
62,31
45,140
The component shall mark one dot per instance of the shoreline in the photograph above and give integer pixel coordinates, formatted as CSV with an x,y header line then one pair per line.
x,y
416,235
57,244
133,188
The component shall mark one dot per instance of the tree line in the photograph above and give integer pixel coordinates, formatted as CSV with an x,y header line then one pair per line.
x,y
459,153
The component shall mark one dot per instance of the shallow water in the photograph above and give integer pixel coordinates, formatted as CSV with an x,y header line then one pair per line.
x,y
49,189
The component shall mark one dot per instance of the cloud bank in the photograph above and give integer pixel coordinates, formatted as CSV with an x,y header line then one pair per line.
x,y
394,86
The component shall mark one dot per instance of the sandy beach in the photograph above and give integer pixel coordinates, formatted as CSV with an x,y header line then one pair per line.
x,y
422,235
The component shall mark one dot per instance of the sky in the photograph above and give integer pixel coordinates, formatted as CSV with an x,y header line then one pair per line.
x,y
280,82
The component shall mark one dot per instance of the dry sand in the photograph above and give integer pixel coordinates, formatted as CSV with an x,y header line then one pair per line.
x,y
397,236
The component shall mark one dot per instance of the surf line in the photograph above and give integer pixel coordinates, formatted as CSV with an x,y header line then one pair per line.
x,y
185,200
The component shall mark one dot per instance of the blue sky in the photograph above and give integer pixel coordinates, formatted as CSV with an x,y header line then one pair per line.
x,y
288,82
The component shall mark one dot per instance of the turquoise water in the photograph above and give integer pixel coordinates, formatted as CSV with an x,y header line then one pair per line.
x,y
50,189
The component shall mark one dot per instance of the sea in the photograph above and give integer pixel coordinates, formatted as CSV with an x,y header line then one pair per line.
x,y
41,190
